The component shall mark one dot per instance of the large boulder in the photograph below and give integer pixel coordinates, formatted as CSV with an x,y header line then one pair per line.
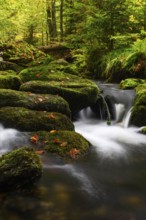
x,y
29,120
19,168
47,102
67,144
79,93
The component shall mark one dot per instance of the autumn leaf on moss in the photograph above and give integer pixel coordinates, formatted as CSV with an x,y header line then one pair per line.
x,y
51,116
40,152
73,153
63,144
34,138
37,75
57,141
52,131
40,99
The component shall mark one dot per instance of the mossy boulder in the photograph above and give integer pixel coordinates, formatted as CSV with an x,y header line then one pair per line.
x,y
138,116
29,120
22,54
79,93
67,144
44,102
9,80
19,168
49,72
131,83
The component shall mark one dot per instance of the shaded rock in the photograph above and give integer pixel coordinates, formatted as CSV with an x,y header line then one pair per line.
x,y
67,144
19,168
9,80
50,103
78,93
138,116
28,120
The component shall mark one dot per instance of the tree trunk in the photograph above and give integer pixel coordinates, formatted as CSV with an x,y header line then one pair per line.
x,y
61,20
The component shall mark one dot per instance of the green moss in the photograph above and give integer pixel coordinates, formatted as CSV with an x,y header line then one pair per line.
x,y
9,81
138,115
62,143
143,131
48,73
34,101
131,83
28,120
19,168
78,93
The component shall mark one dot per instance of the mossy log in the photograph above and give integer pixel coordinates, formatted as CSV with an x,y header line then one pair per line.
x,y
19,168
50,103
28,120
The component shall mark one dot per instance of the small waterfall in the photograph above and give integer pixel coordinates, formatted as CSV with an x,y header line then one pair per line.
x,y
116,140
114,104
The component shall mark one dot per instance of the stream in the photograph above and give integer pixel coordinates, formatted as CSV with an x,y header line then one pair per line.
x,y
108,184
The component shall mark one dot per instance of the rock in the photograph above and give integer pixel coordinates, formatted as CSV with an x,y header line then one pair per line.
x,y
50,103
138,116
139,109
9,80
67,144
131,83
78,93
28,120
19,168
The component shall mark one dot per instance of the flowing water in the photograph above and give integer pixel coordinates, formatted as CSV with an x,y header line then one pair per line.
x,y
109,184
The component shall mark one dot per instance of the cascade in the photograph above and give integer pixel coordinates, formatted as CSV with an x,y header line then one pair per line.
x,y
111,142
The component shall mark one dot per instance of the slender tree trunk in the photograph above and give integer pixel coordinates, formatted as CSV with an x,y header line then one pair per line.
x,y
61,20
54,24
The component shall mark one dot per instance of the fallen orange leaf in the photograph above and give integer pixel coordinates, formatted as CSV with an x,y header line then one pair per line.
x,y
34,138
57,141
63,144
52,131
52,116
40,152
73,152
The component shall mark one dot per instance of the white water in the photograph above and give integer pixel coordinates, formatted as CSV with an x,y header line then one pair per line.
x,y
9,139
113,141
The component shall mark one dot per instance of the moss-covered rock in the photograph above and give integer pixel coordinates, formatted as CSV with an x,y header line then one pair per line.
x,y
50,103
29,120
49,73
138,116
143,130
78,93
67,144
9,80
131,83
19,168
23,54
